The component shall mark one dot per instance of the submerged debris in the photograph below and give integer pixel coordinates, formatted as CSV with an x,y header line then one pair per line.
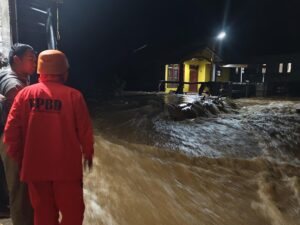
x,y
201,108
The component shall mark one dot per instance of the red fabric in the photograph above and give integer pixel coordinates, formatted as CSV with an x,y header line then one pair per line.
x,y
47,131
53,78
50,198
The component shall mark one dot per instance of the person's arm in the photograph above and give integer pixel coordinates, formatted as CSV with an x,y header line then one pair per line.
x,y
9,99
2,98
13,130
10,96
84,130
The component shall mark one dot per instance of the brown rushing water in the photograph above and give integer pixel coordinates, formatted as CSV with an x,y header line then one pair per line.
x,y
236,168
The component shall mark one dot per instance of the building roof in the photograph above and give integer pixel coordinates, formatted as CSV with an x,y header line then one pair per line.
x,y
205,53
234,65
181,54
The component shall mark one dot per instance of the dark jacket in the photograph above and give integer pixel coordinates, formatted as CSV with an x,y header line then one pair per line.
x,y
10,85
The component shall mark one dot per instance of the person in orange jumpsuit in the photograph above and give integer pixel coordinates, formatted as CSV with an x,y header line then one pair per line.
x,y
48,132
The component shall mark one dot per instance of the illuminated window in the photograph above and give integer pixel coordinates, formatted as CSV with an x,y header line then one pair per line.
x,y
173,75
242,70
280,67
264,69
289,67
236,70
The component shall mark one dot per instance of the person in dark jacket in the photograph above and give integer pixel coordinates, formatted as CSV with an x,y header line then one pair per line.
x,y
4,210
22,62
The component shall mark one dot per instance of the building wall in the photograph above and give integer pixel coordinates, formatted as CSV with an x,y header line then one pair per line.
x,y
5,28
186,76
225,75
208,72
203,72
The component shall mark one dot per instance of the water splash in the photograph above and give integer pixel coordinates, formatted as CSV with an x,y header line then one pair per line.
x,y
232,168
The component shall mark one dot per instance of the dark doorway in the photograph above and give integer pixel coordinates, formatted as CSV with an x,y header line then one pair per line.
x,y
193,78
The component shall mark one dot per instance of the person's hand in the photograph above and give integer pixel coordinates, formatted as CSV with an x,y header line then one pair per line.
x,y
2,98
88,164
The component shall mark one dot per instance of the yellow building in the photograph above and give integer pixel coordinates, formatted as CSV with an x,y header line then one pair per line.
x,y
197,67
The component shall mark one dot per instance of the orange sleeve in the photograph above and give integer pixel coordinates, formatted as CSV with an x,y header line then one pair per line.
x,y
84,127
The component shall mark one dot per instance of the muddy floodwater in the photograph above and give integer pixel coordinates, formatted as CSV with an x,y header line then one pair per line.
x,y
237,167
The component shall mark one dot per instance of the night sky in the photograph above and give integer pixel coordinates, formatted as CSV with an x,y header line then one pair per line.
x,y
132,38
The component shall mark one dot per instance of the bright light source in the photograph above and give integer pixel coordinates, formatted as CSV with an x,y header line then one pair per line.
x,y
221,35
280,67
289,68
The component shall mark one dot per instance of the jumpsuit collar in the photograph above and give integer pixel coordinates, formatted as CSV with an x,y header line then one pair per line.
x,y
51,78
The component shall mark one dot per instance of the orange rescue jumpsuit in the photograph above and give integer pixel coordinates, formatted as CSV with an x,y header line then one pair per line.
x,y
48,130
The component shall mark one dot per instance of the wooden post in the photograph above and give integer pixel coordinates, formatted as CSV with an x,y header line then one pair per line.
x,y
181,79
5,26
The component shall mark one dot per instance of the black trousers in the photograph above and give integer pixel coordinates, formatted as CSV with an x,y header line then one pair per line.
x,y
4,199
